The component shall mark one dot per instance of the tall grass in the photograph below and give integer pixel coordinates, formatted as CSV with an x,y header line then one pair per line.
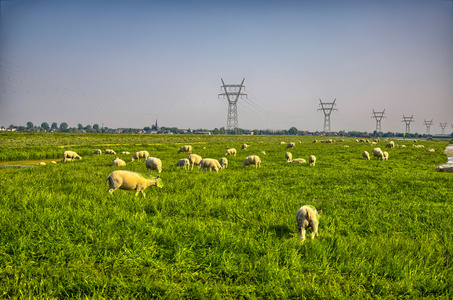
x,y
385,230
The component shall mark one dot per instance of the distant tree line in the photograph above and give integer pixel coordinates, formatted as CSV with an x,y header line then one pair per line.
x,y
64,127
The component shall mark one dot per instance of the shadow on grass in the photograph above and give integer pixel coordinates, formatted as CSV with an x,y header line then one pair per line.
x,y
281,231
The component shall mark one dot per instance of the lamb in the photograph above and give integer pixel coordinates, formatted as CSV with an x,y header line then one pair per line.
x,y
70,155
140,154
186,148
288,156
252,160
244,146
109,151
378,153
97,152
153,163
194,159
312,160
298,160
448,169
390,144
127,180
223,162
183,162
366,155
231,151
307,217
117,162
290,145
210,163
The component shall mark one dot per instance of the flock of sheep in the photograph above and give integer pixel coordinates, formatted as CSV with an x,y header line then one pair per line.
x,y
307,216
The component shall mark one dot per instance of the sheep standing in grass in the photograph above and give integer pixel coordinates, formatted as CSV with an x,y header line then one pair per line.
x,y
252,160
290,145
153,163
377,152
298,160
127,180
209,163
244,146
366,155
307,217
183,162
385,155
70,155
109,151
97,152
288,156
125,152
186,148
312,160
390,144
231,151
223,162
140,154
194,159
118,162
448,169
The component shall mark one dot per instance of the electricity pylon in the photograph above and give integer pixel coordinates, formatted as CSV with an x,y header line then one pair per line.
x,y
327,109
408,121
443,125
428,124
378,115
232,95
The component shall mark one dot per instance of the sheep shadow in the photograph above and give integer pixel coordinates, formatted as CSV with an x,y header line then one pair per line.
x,y
281,231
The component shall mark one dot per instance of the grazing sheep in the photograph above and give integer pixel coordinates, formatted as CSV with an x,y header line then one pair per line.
x,y
127,180
109,151
366,155
298,160
186,148
315,141
288,156
431,150
41,164
385,156
402,146
312,160
117,162
183,162
290,145
377,152
194,159
307,217
231,151
153,163
140,154
252,160
70,155
53,162
448,169
223,162
244,146
281,143
97,152
390,144
209,163
125,152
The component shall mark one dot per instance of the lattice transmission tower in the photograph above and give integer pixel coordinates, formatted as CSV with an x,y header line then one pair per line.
x,y
327,109
232,92
428,125
442,126
378,115
408,121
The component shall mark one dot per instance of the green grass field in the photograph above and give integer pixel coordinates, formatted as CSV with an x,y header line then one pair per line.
x,y
385,229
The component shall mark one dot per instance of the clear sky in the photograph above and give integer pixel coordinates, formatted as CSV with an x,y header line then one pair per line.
x,y
128,63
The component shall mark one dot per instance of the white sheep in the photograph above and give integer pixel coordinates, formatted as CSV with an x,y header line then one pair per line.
x,y
431,150
140,154
186,148
109,151
117,162
385,156
263,152
183,162
41,164
298,160
97,152
244,146
307,217
252,160
288,156
153,163
448,169
290,145
281,143
223,162
125,152
194,159
377,152
390,144
209,163
127,180
366,155
312,160
70,155
53,162
231,151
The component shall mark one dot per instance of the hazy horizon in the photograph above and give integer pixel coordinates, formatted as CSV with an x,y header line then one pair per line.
x,y
126,64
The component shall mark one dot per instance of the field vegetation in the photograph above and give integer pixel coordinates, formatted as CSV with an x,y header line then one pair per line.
x,y
385,229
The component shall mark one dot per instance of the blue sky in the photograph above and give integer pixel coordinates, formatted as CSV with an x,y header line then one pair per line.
x,y
128,63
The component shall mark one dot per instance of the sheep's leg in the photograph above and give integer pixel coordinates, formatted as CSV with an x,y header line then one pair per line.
x,y
302,234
